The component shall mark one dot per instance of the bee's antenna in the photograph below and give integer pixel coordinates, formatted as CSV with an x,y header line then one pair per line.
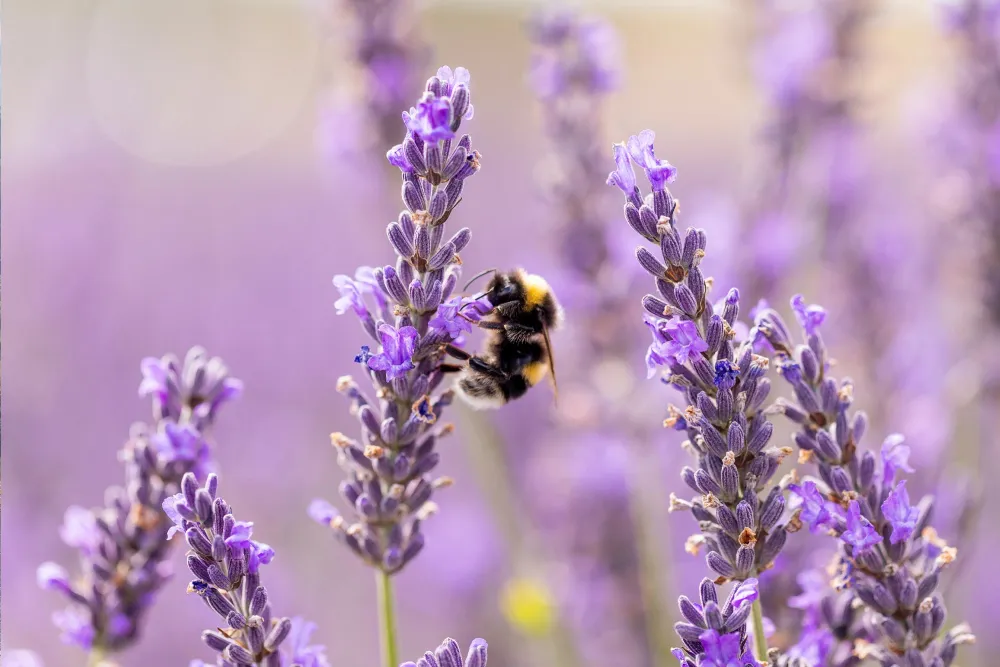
x,y
477,277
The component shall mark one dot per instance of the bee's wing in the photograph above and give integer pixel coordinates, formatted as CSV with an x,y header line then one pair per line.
x,y
552,362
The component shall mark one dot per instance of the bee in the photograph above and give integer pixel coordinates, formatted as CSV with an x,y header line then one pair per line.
x,y
518,352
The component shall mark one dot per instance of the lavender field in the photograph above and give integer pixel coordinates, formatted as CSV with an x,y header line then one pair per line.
x,y
265,261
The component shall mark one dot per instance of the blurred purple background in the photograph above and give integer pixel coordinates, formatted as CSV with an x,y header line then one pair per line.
x,y
168,182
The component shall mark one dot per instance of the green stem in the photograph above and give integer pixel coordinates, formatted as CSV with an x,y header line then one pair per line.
x,y
759,640
386,619
652,571
96,657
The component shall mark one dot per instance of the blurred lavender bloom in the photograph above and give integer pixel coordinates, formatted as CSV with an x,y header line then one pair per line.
x,y
190,393
390,486
20,658
890,557
574,67
797,48
448,654
125,546
226,564
724,384
385,47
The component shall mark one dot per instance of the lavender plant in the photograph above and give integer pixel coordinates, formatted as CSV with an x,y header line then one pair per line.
x,y
410,311
124,546
574,67
385,48
722,380
448,654
715,635
226,564
890,557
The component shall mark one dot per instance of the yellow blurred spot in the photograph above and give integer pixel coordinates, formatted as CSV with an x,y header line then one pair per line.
x,y
528,606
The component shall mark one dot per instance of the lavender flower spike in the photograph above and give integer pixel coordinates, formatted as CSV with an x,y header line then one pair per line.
x,y
125,546
226,564
448,654
713,634
890,557
410,311
721,379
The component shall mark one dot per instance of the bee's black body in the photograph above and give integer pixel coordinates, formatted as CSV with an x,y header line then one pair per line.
x,y
518,354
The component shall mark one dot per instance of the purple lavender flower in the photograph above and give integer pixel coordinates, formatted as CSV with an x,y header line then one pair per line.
x,y
125,546
572,53
659,172
385,47
300,651
817,512
396,357
448,654
226,564
430,120
895,456
860,533
389,485
623,177
810,317
199,387
890,557
727,428
350,296
715,635
685,344
900,514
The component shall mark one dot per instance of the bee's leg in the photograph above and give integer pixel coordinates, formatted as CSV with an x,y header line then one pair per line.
x,y
519,332
478,364
491,326
457,352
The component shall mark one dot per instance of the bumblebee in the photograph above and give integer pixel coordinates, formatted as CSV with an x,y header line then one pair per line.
x,y
518,351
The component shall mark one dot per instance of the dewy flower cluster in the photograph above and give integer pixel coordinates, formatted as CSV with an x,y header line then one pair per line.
x,y
410,311
124,546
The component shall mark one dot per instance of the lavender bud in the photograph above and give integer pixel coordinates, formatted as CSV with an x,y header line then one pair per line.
x,y
238,655
772,509
413,155
670,243
398,240
730,479
442,257
760,437
691,246
690,612
713,616
412,197
772,546
393,285
417,299
438,206
258,601
706,483
650,263
745,560
686,300
719,565
654,306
